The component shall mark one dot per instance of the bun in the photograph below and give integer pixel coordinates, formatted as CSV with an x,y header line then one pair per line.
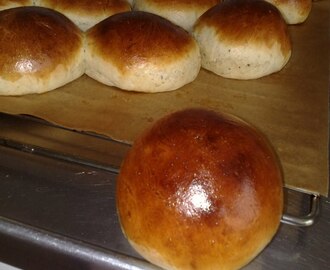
x,y
200,190
293,11
243,39
140,51
86,13
40,50
181,12
6,4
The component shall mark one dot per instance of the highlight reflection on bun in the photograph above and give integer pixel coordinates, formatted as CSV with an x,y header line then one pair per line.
x,y
200,190
41,50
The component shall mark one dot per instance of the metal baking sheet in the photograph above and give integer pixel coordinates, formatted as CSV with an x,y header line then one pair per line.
x,y
56,214
289,107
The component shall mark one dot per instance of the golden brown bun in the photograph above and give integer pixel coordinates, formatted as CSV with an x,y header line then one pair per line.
x,y
41,50
5,4
243,39
200,190
87,13
293,11
140,51
181,12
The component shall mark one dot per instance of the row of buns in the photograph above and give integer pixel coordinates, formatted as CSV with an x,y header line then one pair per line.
x,y
87,13
42,49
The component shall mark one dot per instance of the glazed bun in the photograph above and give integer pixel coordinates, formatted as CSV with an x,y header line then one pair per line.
x,y
243,39
293,11
140,51
181,12
40,50
200,190
87,13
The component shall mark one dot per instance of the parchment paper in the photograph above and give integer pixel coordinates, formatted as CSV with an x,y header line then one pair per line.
x,y
289,107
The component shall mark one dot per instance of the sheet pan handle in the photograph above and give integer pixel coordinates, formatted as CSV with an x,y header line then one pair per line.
x,y
306,220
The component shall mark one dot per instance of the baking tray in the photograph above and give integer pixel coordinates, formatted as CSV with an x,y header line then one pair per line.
x,y
39,137
290,107
45,150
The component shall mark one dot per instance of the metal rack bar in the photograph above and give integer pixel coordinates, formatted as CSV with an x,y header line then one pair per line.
x,y
309,218
105,258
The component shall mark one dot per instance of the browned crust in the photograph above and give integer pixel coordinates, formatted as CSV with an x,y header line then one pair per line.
x,y
183,4
4,3
35,40
134,38
203,190
88,7
240,22
302,6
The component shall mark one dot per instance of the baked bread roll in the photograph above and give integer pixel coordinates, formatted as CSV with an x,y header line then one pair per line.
x,y
40,50
140,51
243,39
293,11
200,190
86,13
181,12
